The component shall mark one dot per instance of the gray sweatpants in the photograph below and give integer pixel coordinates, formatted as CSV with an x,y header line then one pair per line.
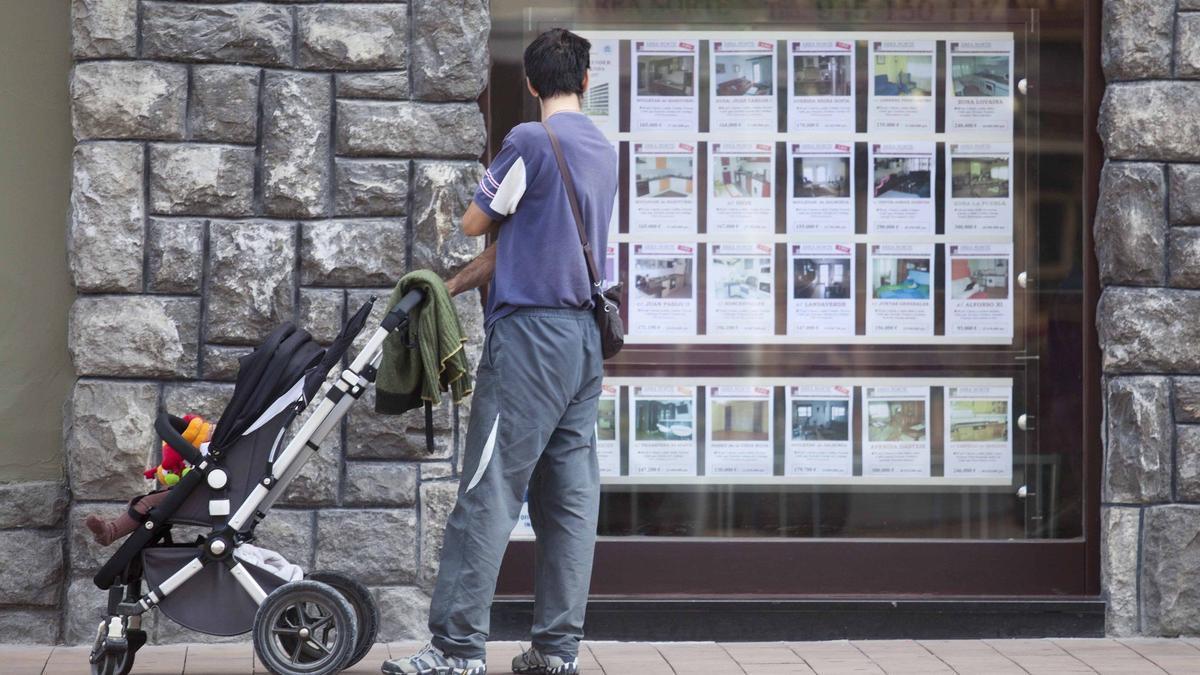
x,y
533,420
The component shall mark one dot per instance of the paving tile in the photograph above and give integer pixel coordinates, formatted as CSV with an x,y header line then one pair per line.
x,y
165,660
777,669
369,664
747,653
1109,657
219,659
1171,655
25,660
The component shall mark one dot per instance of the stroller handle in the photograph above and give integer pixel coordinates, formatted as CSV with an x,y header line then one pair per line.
x,y
399,313
166,425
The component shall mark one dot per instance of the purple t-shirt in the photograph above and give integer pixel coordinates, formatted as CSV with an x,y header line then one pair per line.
x,y
539,262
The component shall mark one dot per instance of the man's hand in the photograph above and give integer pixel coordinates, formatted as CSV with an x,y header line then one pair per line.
x,y
477,273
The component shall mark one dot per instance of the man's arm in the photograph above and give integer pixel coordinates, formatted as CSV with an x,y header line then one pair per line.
x,y
477,273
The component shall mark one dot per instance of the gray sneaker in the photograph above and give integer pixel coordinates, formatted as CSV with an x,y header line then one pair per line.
x,y
533,661
431,661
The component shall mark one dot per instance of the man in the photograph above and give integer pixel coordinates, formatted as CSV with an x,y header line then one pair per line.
x,y
534,411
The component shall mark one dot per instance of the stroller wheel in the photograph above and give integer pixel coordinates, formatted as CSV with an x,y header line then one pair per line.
x,y
111,657
365,610
305,628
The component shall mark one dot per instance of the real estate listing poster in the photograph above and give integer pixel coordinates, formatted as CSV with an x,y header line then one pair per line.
x,y
895,432
742,86
602,100
978,432
979,82
740,421
662,424
664,86
741,298
979,189
821,73
608,428
903,86
820,177
663,188
819,420
612,265
979,290
902,178
663,297
741,188
820,290
901,300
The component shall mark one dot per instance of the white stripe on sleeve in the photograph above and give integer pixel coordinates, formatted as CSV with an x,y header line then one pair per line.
x,y
511,189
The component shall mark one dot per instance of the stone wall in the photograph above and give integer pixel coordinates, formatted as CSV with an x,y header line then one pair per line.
x,y
1148,247
238,165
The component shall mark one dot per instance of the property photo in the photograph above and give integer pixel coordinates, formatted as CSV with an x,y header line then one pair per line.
x,y
666,75
821,278
900,279
896,421
821,177
742,177
820,420
978,278
903,75
664,176
664,278
978,421
595,101
746,75
979,75
663,420
741,421
979,177
741,278
821,75
606,420
903,177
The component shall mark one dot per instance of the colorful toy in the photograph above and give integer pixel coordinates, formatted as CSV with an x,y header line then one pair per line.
x,y
173,467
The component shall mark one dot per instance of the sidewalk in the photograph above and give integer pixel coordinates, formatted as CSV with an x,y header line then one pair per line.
x,y
1130,656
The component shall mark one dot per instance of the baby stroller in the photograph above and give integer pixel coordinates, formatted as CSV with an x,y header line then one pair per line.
x,y
321,624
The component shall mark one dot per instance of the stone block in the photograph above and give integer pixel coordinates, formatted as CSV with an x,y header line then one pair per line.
x,y
206,399
380,484
296,127
29,626
1131,224
243,32
1149,330
403,613
377,547
1187,399
134,336
352,252
353,37
31,568
110,438
355,299
1136,43
220,362
251,276
370,435
1184,257
1137,463
128,99
104,244
201,179
436,470
1185,194
1189,5
387,85
409,129
442,191
86,555
224,103
321,312
1187,45
318,480
1119,535
290,533
30,504
1153,121
1170,557
450,49
437,501
85,607
1187,462
371,187
103,28
174,255
469,307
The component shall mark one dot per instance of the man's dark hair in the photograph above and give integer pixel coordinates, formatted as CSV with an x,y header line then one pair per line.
x,y
556,61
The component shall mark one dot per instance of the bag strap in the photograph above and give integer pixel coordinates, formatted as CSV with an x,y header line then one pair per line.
x,y
565,172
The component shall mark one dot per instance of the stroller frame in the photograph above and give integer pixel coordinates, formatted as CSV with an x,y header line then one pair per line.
x,y
126,602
